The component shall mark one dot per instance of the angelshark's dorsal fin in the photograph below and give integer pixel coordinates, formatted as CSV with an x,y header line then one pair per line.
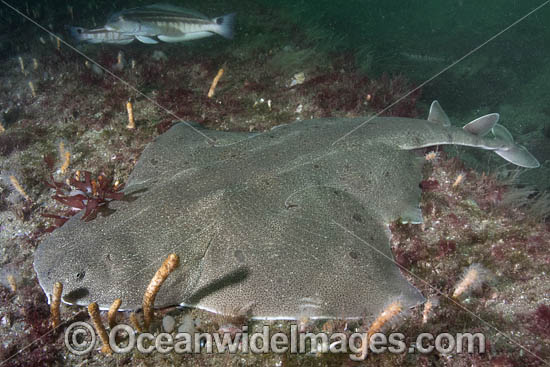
x,y
437,115
482,125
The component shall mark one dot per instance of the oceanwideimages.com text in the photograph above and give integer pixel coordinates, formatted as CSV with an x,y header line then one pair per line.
x,y
80,339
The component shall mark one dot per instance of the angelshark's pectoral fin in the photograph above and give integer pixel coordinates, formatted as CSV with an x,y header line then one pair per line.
x,y
516,154
437,115
412,216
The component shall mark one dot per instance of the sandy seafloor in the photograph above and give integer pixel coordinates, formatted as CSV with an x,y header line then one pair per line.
x,y
497,216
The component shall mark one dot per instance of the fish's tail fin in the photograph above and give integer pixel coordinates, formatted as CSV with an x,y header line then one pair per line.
x,y
513,153
225,25
516,154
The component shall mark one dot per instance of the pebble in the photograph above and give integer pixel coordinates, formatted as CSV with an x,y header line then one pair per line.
x,y
168,323
187,326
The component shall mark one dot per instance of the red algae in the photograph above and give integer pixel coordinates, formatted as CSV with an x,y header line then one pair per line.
x,y
83,193
429,185
540,323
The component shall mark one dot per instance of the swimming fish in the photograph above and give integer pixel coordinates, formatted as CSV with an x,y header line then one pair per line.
x,y
168,23
99,35
285,224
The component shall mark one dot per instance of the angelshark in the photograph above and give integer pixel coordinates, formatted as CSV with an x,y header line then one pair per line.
x,y
284,224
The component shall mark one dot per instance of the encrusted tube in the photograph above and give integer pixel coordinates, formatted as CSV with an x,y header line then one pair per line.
x,y
111,315
388,314
93,311
472,279
12,283
215,83
135,322
168,266
66,162
21,64
131,122
33,88
56,302
17,186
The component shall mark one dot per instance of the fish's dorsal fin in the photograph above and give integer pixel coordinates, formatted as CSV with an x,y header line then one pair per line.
x,y
482,125
437,114
176,10
500,132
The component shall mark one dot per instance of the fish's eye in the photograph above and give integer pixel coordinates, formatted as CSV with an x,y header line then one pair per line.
x,y
79,30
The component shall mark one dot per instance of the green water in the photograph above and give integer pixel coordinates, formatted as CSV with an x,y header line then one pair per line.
x,y
474,57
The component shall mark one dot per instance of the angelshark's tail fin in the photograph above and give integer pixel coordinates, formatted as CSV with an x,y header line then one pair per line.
x,y
513,153
516,154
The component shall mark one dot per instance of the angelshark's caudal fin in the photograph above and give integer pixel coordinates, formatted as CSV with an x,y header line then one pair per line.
x,y
513,153
516,154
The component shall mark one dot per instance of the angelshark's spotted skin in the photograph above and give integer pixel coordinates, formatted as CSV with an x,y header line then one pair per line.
x,y
285,223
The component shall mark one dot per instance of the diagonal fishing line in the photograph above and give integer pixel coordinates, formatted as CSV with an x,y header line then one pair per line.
x,y
506,336
127,84
436,75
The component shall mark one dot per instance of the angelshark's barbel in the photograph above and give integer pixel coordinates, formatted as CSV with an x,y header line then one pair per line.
x,y
168,23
